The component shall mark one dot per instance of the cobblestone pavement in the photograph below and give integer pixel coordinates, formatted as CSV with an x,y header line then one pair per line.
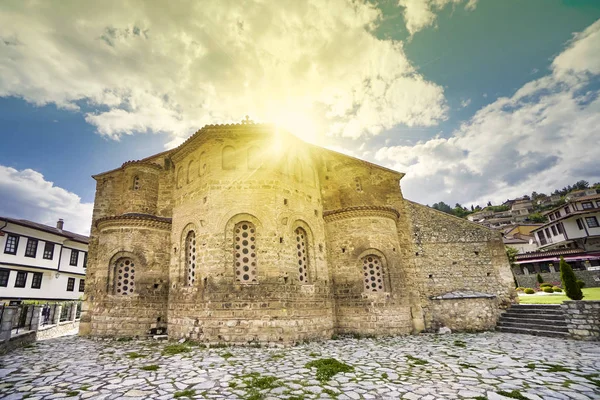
x,y
458,366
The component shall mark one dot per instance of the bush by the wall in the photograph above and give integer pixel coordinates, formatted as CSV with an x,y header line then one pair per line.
x,y
539,278
556,289
529,291
569,281
548,289
580,283
543,285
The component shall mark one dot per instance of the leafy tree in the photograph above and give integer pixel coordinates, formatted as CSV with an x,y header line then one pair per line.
x,y
581,185
539,278
569,281
441,206
537,217
489,204
472,208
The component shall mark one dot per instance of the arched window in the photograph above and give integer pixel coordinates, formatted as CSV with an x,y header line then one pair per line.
x,y
228,157
244,244
136,183
202,164
302,255
180,177
297,168
124,276
190,257
191,171
373,273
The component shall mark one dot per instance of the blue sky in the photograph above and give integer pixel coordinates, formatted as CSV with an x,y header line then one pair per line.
x,y
473,100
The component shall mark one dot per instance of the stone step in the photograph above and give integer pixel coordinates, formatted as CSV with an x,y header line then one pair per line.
x,y
533,332
531,310
536,306
549,321
531,326
523,316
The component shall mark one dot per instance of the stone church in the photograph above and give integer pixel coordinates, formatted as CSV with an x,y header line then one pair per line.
x,y
245,233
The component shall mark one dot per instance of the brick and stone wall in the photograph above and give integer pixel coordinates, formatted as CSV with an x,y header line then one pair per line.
x,y
583,319
591,278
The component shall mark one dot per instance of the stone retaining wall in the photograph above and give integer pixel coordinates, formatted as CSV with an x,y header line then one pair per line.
x,y
591,278
583,319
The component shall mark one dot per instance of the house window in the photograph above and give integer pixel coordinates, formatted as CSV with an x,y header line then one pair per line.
x,y
587,205
373,274
547,232
551,217
541,237
71,284
302,255
48,251
190,257
567,210
21,279
245,253
85,260
4,274
36,281
125,276
560,227
82,285
554,231
557,214
592,222
74,257
579,224
31,248
12,242
598,204
136,183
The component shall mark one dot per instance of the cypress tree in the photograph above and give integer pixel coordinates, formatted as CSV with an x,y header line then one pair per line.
x,y
569,281
539,278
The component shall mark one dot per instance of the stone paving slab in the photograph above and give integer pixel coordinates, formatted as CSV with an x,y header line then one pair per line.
x,y
481,366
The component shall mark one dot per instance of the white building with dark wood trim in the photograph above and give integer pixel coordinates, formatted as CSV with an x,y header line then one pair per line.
x,y
40,262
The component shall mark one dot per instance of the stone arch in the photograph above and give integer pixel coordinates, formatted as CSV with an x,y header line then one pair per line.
x,y
235,227
124,270
228,160
309,264
191,168
370,267
179,178
202,164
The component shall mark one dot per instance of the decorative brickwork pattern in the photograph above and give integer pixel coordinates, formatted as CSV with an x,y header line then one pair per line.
x,y
190,254
245,253
125,274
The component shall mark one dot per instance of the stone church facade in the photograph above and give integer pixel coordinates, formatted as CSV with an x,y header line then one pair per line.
x,y
247,234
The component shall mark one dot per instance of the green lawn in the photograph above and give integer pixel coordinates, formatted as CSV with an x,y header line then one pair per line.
x,y
588,293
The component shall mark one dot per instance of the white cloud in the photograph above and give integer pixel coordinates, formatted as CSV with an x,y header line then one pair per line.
x,y
419,14
27,195
465,103
541,138
151,68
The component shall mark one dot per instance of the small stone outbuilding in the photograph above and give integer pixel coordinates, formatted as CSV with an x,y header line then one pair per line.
x,y
247,234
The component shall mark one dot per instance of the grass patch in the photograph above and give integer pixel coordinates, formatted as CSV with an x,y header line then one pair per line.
x,y
276,357
557,368
313,354
460,343
328,367
384,375
515,394
233,384
149,367
125,339
417,361
226,355
481,398
567,383
465,365
173,349
72,393
85,387
135,355
530,366
331,393
185,393
588,293
218,346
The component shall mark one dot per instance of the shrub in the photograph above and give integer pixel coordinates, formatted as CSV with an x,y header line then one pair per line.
x,y
529,291
539,278
580,283
556,289
520,289
569,281
542,285
548,289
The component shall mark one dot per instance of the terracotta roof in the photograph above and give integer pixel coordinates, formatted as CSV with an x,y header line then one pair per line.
x,y
536,254
49,229
585,198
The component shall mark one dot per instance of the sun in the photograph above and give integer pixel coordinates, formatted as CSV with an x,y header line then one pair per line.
x,y
298,123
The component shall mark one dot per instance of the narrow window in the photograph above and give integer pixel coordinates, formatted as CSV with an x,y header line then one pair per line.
x,y
567,210
85,260
136,183
587,205
302,255
592,222
556,214
12,242
358,184
190,257
4,274
373,274
31,248
559,226
579,224
71,285
228,155
36,281
554,231
21,279
551,217
74,257
245,253
48,251
124,276
82,285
